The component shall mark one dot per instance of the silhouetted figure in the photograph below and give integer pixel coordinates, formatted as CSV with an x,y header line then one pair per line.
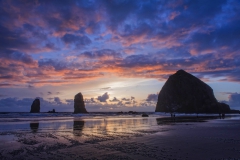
x,y
35,107
34,126
223,115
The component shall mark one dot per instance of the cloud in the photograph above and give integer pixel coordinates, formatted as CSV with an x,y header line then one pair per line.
x,y
79,41
57,100
104,97
24,105
126,99
233,100
152,97
14,104
104,54
105,88
91,100
17,57
144,39
128,102
114,100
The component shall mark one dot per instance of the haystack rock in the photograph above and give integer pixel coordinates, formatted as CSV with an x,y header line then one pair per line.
x,y
79,106
35,107
185,93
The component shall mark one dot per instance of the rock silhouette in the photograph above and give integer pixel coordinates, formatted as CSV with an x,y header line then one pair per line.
x,y
35,107
144,115
79,106
53,111
183,92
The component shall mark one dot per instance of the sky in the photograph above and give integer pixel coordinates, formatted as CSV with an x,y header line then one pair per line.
x,y
117,53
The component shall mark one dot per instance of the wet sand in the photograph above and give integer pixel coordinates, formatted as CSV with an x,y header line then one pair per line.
x,y
122,138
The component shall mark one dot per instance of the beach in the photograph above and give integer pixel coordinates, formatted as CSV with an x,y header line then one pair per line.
x,y
104,136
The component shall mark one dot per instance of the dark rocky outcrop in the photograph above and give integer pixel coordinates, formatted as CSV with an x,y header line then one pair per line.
x,y
35,107
185,93
53,111
132,112
144,115
79,106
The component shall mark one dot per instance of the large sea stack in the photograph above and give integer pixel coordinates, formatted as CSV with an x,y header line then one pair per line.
x,y
35,107
79,106
185,93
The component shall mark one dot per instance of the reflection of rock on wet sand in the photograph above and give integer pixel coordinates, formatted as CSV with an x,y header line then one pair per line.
x,y
34,126
171,120
78,126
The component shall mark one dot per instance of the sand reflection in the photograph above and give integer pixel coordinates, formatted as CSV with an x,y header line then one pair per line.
x,y
173,120
115,126
78,125
34,126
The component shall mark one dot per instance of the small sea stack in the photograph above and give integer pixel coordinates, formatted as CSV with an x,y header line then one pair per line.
x,y
53,111
185,93
79,106
35,107
144,115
